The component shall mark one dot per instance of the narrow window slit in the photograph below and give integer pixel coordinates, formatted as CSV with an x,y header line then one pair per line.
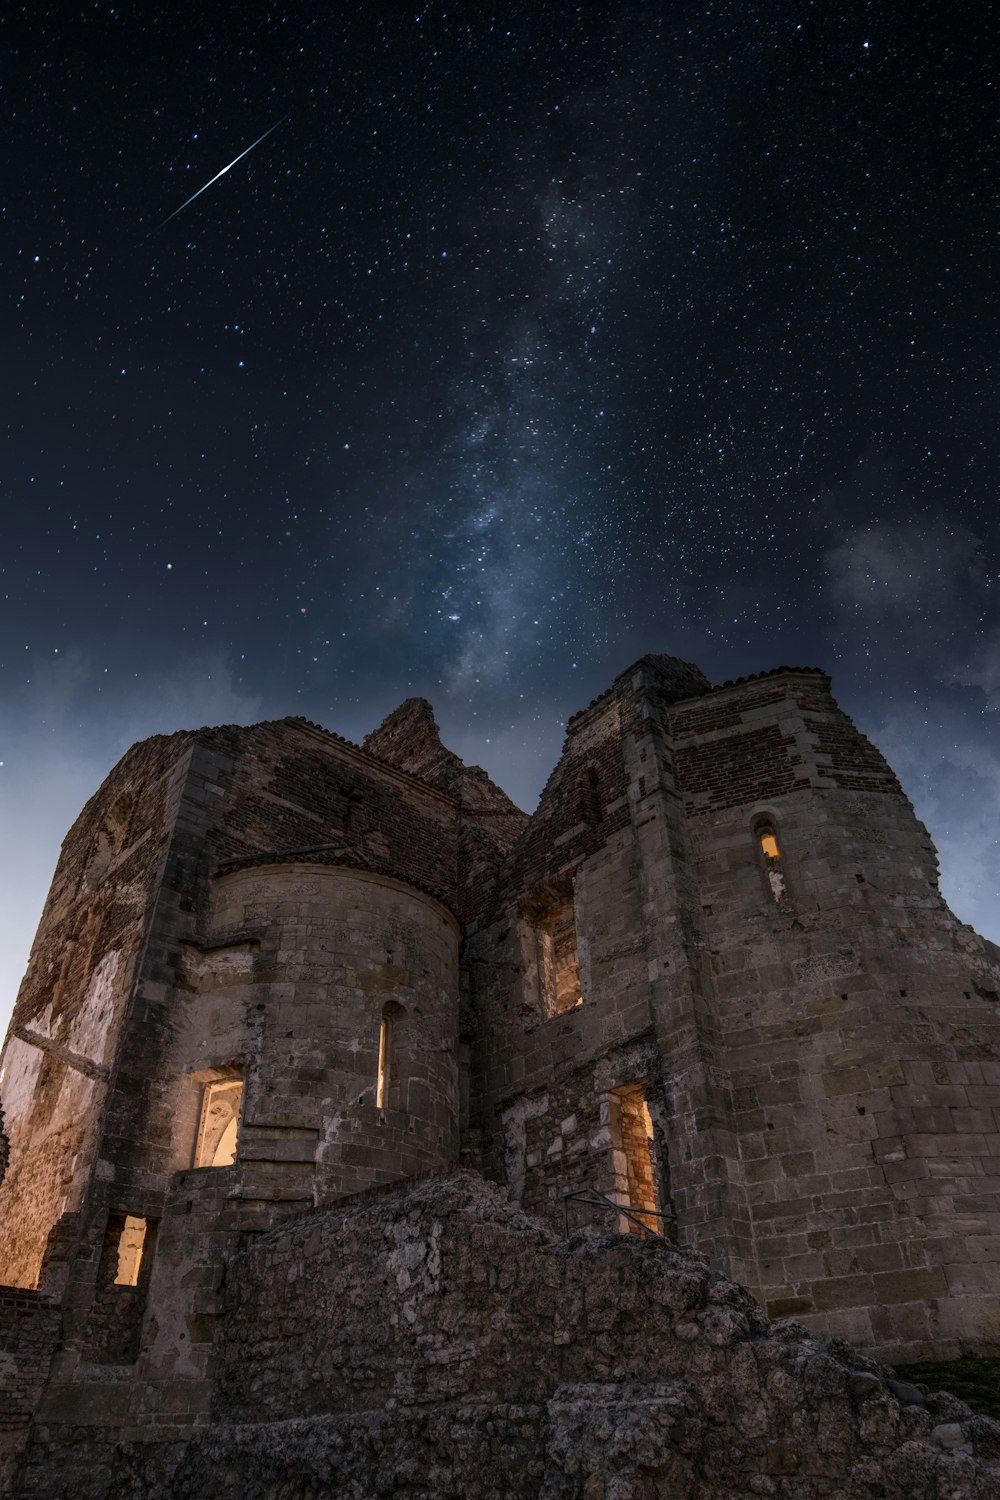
x,y
767,840
559,961
383,1062
394,1044
636,1186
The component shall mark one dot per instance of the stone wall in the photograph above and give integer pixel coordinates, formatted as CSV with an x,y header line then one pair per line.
x,y
29,1328
488,821
61,1045
145,986
776,733
336,951
861,1036
711,975
818,1038
440,1344
294,787
647,1014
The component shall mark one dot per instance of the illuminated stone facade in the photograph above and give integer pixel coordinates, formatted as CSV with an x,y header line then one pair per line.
x,y
711,978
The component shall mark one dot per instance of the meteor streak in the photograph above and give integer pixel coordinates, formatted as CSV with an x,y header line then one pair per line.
x,y
224,171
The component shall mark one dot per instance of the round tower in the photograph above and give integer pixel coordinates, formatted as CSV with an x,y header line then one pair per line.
x,y
352,1006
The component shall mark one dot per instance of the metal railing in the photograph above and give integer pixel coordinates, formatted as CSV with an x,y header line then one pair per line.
x,y
591,1196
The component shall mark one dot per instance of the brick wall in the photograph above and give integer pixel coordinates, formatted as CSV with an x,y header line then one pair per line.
x,y
29,1330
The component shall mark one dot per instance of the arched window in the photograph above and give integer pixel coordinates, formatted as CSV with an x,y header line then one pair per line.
x,y
388,1086
769,848
383,1063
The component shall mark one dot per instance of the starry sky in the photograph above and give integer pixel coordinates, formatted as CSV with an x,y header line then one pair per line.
x,y
524,340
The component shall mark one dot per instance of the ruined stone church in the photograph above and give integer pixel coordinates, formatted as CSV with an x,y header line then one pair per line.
x,y
365,1136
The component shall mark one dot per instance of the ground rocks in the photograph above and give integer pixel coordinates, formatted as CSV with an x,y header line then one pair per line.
x,y
439,1345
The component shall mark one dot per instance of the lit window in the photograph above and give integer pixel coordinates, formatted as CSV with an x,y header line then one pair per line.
x,y
383,1062
130,1245
225,1152
559,961
636,1186
393,1053
220,1122
774,874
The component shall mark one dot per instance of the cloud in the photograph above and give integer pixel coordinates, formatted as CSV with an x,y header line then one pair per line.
x,y
202,689
897,567
982,669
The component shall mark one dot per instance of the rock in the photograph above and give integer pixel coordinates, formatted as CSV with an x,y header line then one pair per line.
x,y
909,1395
949,1435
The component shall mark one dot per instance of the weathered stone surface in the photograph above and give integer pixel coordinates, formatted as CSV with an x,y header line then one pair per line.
x,y
438,1343
29,1329
711,978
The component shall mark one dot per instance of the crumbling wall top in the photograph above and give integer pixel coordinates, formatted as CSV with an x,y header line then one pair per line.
x,y
410,740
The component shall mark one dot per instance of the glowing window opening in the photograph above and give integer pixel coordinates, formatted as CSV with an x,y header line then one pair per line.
x,y
218,1130
130,1248
633,1164
225,1151
383,1062
559,961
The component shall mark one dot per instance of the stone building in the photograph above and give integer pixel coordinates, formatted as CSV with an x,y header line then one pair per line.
x,y
710,982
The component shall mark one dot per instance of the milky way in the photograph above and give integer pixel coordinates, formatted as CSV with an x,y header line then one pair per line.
x,y
535,339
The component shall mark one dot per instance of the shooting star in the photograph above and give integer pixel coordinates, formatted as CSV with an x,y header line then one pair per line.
x,y
223,172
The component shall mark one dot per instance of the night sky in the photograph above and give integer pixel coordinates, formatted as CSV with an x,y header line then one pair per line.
x,y
528,340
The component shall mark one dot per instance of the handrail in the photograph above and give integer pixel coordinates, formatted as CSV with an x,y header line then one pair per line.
x,y
601,1200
